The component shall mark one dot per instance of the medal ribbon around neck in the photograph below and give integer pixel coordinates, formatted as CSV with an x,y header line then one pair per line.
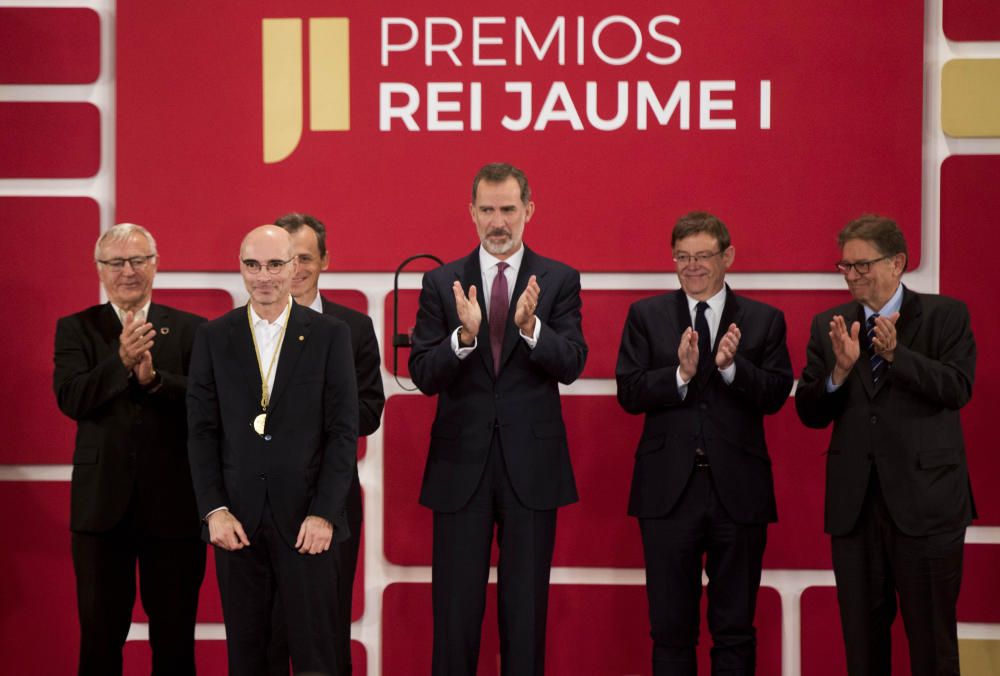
x,y
260,421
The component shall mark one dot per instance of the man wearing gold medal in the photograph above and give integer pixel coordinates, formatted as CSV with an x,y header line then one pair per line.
x,y
273,416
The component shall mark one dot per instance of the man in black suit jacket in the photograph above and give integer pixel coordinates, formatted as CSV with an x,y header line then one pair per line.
x,y
272,418
705,366
120,373
309,248
498,452
891,372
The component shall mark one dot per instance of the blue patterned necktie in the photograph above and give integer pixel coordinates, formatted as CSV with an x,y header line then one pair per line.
x,y
875,360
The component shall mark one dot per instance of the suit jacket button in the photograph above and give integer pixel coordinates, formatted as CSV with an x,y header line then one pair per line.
x,y
267,437
262,477
874,419
703,406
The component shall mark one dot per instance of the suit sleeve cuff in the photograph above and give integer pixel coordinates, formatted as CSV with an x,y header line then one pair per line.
x,y
217,509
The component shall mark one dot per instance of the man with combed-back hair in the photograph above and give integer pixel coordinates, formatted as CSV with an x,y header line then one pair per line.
x,y
309,248
496,333
891,371
704,365
121,373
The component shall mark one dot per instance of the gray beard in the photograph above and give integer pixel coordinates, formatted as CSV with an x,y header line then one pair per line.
x,y
498,249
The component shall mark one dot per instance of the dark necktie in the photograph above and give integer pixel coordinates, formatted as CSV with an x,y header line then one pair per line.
x,y
875,360
499,299
704,339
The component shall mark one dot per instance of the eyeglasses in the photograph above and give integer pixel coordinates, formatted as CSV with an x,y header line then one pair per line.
x,y
137,262
273,266
860,267
685,259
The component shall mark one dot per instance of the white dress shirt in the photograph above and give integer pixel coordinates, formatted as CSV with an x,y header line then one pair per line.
x,y
488,265
713,315
143,312
268,335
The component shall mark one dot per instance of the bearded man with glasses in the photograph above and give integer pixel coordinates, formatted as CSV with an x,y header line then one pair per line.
x,y
121,373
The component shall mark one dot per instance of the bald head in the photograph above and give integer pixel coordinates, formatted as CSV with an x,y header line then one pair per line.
x,y
267,266
264,235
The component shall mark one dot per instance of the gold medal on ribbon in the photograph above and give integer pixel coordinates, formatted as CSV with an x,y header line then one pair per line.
x,y
259,422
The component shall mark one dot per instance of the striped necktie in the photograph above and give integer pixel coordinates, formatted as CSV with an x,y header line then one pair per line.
x,y
875,360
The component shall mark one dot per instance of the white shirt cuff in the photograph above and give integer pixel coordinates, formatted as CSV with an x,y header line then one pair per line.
x,y
461,351
532,340
830,387
728,373
682,385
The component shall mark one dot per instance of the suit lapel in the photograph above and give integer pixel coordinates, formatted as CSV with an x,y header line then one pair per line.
x,y
908,324
683,313
473,275
241,346
109,326
530,265
292,346
160,319
732,312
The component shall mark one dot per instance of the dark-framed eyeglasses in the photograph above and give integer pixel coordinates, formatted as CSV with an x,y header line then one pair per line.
x,y
273,266
683,259
137,262
860,267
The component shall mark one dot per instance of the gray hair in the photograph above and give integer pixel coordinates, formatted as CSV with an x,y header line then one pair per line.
x,y
121,233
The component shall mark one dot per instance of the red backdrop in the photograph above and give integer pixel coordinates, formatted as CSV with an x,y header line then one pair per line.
x,y
843,137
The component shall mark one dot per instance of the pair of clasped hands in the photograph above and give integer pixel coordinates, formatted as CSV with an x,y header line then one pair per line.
x,y
687,351
134,345
471,315
225,531
847,344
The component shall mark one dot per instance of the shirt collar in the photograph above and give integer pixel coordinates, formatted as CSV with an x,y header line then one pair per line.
x,y
277,323
121,313
715,303
317,303
894,303
488,260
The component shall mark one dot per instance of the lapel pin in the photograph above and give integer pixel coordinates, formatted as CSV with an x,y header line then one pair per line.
x,y
164,330
302,338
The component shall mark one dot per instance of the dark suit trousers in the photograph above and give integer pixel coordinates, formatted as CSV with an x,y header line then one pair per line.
x,y
250,578
673,546
346,555
877,561
170,575
460,570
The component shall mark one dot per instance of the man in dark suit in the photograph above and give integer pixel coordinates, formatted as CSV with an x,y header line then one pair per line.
x,y
272,418
309,248
705,366
120,373
498,452
891,371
